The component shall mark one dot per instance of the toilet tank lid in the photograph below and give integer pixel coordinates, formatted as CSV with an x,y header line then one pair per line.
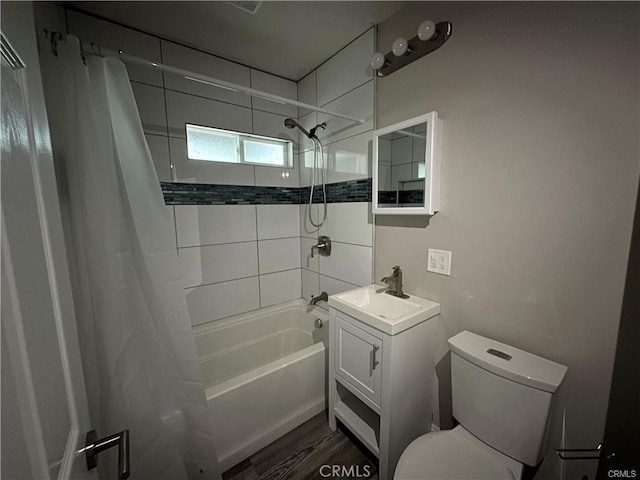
x,y
508,362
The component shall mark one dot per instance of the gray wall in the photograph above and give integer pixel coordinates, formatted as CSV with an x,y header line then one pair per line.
x,y
540,171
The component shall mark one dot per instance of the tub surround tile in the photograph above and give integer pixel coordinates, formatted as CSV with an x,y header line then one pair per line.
x,y
278,177
280,287
278,221
202,194
159,149
349,223
150,103
307,93
203,172
205,64
213,224
350,191
272,125
116,37
205,194
308,262
359,104
346,69
276,255
183,108
277,86
333,285
220,300
350,263
310,284
218,263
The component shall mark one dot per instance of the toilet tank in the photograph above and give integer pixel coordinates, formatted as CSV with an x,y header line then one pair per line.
x,y
503,395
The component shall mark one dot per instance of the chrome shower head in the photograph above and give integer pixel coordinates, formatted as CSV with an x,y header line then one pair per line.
x,y
291,123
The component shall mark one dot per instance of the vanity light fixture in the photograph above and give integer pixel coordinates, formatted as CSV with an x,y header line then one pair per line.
x,y
429,38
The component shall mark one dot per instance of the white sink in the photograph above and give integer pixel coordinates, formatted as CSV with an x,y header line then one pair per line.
x,y
382,311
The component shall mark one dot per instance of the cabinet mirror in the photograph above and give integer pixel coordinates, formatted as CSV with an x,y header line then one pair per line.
x,y
406,167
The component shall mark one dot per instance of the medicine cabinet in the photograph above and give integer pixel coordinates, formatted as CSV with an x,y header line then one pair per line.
x,y
406,167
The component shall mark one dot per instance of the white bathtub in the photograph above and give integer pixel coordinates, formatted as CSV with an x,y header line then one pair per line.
x,y
264,374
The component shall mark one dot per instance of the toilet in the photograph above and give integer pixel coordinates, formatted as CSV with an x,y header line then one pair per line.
x,y
502,398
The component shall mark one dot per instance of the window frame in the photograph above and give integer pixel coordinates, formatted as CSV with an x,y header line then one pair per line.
x,y
241,137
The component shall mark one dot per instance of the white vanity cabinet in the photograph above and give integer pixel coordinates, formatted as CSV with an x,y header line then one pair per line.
x,y
381,385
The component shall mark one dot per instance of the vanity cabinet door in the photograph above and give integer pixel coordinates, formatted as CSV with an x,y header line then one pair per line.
x,y
358,359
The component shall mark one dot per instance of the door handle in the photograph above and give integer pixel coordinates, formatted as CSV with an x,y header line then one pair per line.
x,y
93,447
374,362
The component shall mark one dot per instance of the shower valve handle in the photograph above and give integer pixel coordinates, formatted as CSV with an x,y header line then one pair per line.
x,y
323,246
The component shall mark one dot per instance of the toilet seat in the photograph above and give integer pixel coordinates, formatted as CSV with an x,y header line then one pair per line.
x,y
454,455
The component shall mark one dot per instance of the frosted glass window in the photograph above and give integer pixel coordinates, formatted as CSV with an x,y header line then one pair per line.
x,y
213,145
264,153
216,145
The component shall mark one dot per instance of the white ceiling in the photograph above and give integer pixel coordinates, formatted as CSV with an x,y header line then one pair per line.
x,y
286,38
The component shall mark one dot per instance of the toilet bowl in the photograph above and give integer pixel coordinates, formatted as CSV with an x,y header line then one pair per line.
x,y
502,397
454,455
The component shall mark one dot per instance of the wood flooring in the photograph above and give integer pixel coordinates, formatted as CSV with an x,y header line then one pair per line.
x,y
301,454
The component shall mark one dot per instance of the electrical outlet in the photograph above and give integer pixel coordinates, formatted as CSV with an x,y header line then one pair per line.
x,y
439,261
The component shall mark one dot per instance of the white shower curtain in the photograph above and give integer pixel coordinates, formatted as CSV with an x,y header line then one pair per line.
x,y
138,351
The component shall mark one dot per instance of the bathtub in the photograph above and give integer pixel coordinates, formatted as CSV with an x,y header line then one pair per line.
x,y
264,374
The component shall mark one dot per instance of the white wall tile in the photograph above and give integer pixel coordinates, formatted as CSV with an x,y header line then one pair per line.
x,y
218,263
214,224
209,65
277,255
310,284
349,223
201,171
159,149
333,286
306,260
116,37
359,104
150,102
213,302
278,177
350,159
272,125
307,92
349,263
278,221
308,121
183,108
306,228
278,86
280,287
349,68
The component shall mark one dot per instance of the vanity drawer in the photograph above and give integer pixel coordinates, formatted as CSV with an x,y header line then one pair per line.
x,y
358,358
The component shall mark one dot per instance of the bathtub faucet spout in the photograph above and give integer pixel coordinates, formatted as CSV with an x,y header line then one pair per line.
x,y
322,296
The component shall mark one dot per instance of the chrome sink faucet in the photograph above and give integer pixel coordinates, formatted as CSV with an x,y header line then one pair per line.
x,y
394,283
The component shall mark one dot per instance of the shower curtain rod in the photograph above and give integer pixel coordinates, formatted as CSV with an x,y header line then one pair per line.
x,y
216,82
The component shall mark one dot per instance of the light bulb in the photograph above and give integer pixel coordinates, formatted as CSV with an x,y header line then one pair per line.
x,y
377,61
400,47
426,30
